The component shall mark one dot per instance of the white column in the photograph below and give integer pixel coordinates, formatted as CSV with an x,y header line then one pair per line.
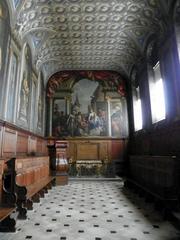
x,y
68,103
109,116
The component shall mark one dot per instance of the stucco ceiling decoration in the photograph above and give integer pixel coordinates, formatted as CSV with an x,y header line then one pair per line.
x,y
88,34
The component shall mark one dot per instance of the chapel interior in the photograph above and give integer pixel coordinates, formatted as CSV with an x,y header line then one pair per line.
x,y
90,119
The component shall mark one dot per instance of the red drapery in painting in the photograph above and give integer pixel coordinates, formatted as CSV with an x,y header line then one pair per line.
x,y
112,78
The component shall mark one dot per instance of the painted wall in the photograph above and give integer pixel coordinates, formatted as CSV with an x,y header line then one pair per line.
x,y
22,93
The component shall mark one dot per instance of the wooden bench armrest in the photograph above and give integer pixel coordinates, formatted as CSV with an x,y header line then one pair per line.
x,y
36,187
5,212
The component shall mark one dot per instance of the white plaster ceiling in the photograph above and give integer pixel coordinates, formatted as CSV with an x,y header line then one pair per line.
x,y
89,34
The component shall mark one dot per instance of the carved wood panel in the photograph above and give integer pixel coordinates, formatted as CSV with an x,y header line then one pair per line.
x,y
1,173
103,150
1,132
32,145
87,151
99,149
22,144
9,142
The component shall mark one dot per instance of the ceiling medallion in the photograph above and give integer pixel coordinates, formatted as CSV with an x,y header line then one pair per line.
x,y
74,8
89,8
118,8
88,27
102,18
45,10
148,13
59,9
152,3
32,15
75,18
133,8
48,19
27,5
103,8
76,27
62,19
88,18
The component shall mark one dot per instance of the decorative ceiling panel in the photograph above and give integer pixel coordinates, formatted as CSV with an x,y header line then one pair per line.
x,y
88,34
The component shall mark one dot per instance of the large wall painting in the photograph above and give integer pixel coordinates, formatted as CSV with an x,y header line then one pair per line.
x,y
88,114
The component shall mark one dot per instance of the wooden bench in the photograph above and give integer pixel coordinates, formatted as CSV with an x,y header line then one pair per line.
x,y
32,181
7,196
157,177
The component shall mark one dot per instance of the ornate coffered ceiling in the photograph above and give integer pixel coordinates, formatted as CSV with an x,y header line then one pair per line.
x,y
88,34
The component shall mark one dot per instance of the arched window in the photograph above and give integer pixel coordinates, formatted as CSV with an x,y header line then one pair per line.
x,y
156,84
137,107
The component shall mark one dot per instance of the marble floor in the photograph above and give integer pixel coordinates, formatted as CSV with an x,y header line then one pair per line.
x,y
93,210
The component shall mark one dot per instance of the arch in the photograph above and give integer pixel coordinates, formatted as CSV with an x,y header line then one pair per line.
x,y
4,11
10,11
151,49
133,75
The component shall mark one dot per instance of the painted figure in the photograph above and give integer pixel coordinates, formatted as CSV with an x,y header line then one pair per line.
x,y
116,121
24,96
94,125
71,122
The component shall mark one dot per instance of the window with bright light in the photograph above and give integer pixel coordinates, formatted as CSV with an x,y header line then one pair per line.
x,y
157,95
137,109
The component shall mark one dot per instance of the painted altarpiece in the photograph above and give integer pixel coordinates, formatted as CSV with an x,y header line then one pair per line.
x,y
88,111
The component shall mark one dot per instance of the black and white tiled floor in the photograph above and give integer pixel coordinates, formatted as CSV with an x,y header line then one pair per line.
x,y
92,210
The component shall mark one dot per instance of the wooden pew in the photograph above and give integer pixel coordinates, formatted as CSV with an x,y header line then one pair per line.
x,y
7,196
157,177
32,181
